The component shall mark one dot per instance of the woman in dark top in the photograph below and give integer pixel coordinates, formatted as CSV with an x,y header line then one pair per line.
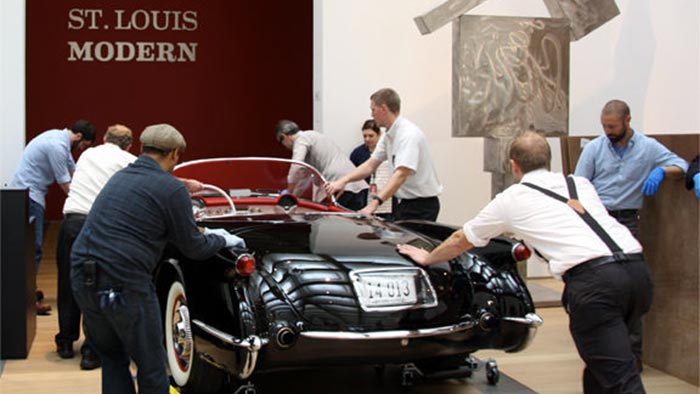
x,y
370,133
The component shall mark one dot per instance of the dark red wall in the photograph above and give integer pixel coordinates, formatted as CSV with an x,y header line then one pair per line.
x,y
253,66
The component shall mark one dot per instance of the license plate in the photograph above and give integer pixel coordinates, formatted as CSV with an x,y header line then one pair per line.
x,y
386,289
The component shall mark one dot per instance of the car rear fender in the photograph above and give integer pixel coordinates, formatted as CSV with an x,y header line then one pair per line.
x,y
436,231
168,271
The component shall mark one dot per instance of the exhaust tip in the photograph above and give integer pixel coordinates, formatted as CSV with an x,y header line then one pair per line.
x,y
285,337
488,321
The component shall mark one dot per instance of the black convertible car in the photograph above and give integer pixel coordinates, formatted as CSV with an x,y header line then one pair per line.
x,y
318,285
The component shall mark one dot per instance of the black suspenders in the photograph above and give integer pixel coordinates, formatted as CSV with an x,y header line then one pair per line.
x,y
574,203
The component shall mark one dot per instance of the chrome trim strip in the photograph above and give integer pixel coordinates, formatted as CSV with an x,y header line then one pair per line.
x,y
225,195
248,158
251,345
383,335
530,319
312,169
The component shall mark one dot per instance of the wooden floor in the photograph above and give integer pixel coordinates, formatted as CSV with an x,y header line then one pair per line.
x,y
549,366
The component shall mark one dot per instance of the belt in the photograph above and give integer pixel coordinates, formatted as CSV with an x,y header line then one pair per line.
x,y
400,200
75,216
617,213
598,261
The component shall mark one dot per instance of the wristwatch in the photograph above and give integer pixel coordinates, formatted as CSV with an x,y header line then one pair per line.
x,y
379,199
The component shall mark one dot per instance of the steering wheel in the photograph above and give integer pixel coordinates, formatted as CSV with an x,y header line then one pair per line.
x,y
218,190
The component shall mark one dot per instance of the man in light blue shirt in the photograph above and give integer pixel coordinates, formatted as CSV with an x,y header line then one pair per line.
x,y
624,166
47,158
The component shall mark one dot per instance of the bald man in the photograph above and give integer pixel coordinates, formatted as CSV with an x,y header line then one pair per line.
x,y
607,282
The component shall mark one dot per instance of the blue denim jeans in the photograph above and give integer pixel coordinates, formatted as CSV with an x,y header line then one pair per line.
x,y
36,216
131,330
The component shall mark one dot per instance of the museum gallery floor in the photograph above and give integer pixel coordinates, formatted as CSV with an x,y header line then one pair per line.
x,y
549,365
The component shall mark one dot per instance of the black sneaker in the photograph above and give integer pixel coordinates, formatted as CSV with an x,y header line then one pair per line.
x,y
90,359
65,349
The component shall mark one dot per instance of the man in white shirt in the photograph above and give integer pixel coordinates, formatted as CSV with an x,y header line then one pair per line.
x,y
414,181
607,280
94,168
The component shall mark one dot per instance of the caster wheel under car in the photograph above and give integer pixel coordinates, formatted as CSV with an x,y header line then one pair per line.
x,y
410,375
248,388
492,373
408,379
187,369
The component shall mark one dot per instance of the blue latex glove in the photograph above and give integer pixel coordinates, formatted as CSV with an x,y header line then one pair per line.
x,y
651,185
696,179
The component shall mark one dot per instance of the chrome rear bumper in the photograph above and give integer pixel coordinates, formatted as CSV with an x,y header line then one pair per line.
x,y
252,344
533,321
393,334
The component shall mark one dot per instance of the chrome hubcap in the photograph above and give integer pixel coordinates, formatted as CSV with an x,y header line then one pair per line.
x,y
182,335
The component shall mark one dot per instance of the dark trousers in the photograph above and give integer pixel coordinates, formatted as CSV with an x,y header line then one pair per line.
x,y
68,310
123,332
352,200
601,303
36,216
630,219
426,208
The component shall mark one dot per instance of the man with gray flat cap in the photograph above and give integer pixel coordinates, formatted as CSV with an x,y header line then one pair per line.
x,y
141,209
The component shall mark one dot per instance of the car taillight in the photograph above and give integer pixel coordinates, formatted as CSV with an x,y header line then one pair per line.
x,y
245,265
521,252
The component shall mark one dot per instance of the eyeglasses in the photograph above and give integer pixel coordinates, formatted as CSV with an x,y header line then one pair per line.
x,y
280,137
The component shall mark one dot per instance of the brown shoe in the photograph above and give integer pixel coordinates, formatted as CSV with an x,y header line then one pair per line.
x,y
42,308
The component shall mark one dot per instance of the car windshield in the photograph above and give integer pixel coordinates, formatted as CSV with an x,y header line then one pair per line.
x,y
254,176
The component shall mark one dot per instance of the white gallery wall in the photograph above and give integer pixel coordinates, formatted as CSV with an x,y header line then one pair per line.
x,y
12,120
647,56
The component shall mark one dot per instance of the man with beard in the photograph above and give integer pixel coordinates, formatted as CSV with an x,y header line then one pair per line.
x,y
624,166
47,158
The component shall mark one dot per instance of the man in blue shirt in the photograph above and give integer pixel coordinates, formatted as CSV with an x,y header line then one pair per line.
x,y
140,209
624,166
47,158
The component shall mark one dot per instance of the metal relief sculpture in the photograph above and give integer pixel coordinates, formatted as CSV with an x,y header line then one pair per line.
x,y
584,15
512,73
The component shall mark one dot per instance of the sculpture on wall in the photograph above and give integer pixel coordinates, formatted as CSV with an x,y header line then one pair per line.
x,y
512,73
509,74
